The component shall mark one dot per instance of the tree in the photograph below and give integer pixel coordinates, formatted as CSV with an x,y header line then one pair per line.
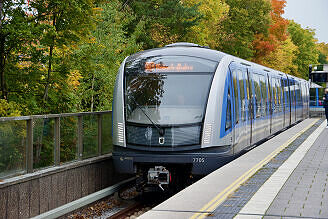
x,y
307,52
98,58
266,44
323,53
245,20
282,58
67,23
209,28
15,35
166,21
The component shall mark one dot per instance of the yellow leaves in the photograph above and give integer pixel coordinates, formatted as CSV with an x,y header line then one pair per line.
x,y
161,34
98,9
323,48
118,51
8,109
73,79
209,29
92,40
24,64
282,58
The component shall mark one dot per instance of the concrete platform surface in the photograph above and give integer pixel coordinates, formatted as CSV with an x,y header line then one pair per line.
x,y
202,198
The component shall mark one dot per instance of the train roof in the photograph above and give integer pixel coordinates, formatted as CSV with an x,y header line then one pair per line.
x,y
180,49
195,50
314,85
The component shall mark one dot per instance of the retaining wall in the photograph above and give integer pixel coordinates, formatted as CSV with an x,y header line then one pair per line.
x,y
32,194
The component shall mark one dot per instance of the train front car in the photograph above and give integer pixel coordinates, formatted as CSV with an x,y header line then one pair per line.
x,y
159,109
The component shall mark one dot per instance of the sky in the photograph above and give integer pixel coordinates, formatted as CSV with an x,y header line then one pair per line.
x,y
310,13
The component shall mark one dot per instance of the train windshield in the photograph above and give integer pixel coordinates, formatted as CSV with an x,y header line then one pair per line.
x,y
167,90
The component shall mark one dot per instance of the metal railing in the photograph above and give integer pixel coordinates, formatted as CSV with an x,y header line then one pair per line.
x,y
28,143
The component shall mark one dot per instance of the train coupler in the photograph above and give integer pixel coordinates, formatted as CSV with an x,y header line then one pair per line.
x,y
159,176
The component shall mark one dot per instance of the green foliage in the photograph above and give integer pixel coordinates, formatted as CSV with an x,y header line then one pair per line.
x,y
12,147
307,52
323,53
245,19
16,34
322,59
43,143
209,28
166,21
62,56
9,109
98,58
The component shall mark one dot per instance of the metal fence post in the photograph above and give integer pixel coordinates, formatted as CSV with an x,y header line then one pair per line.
x,y
57,141
29,158
80,137
99,134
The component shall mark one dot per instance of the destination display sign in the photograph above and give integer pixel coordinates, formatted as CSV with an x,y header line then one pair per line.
x,y
170,64
169,67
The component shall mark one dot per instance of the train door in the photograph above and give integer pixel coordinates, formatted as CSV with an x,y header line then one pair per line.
x,y
241,135
280,103
258,129
250,105
236,106
292,99
270,111
299,101
265,107
227,110
273,105
245,131
276,117
283,101
302,99
284,83
307,99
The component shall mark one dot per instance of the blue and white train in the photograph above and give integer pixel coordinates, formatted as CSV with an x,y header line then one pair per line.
x,y
184,110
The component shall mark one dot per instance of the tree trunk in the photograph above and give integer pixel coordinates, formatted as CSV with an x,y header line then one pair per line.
x,y
1,13
51,48
2,56
2,68
92,86
46,89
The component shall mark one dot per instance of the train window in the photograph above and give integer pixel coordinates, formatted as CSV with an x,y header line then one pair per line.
x,y
279,95
228,115
257,95
299,93
292,93
284,87
264,95
242,95
274,95
236,95
248,98
296,93
282,94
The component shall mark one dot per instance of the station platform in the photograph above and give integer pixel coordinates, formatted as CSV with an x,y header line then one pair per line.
x,y
285,177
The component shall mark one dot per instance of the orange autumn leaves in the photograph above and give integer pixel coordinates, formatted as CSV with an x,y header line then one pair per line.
x,y
265,45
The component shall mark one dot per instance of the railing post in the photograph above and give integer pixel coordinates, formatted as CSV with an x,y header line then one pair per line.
x,y
57,141
80,137
29,158
99,134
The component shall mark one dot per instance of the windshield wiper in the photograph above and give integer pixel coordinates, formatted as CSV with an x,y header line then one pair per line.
x,y
159,129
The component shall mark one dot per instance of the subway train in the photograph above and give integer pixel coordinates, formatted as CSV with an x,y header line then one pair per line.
x,y
184,110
